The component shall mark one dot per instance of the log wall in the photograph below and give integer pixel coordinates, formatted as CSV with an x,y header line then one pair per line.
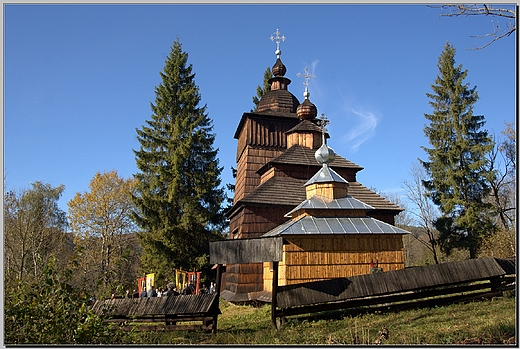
x,y
251,160
315,258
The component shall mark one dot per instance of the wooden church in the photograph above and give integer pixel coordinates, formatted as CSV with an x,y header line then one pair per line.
x,y
279,192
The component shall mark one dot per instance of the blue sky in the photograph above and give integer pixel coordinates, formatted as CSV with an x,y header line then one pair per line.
x,y
79,79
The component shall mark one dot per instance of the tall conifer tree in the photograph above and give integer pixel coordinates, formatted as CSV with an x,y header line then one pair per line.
x,y
458,178
262,90
178,196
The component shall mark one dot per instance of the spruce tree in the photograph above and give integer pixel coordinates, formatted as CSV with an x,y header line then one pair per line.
x,y
458,179
262,90
178,196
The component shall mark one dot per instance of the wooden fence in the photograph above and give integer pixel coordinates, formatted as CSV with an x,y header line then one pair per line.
x,y
410,287
416,286
170,310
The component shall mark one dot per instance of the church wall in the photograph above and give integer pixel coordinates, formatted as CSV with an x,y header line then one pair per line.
x,y
314,258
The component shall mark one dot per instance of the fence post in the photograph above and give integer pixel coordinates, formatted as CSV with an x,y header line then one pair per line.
x,y
274,292
215,306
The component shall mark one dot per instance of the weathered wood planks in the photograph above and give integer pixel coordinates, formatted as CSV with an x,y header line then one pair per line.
x,y
404,280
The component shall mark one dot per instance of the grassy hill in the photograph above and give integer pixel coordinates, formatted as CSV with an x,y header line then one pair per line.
x,y
483,322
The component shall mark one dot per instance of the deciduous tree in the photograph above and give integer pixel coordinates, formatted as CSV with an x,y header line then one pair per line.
x,y
34,228
456,166
507,12
104,233
424,211
178,194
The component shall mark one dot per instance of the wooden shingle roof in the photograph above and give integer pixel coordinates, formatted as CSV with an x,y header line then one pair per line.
x,y
288,191
303,156
306,125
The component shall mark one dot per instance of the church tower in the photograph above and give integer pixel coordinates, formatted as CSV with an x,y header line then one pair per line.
x,y
275,158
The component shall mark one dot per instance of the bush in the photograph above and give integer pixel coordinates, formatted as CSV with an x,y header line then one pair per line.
x,y
49,311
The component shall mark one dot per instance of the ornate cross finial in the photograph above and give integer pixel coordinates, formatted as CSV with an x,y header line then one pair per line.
x,y
306,77
322,123
277,39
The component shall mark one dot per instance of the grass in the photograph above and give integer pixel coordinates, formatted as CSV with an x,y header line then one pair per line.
x,y
482,322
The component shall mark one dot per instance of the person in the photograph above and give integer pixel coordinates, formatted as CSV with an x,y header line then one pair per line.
x,y
212,288
152,292
160,292
172,291
192,288
128,294
186,290
135,294
143,294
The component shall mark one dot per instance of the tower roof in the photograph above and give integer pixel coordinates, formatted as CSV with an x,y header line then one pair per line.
x,y
320,202
278,99
326,175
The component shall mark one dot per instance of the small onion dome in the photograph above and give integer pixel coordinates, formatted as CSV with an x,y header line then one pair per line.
x,y
306,110
324,154
279,68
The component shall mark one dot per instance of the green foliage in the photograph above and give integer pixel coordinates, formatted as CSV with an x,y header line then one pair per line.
x,y
262,90
49,311
102,226
33,225
456,166
178,195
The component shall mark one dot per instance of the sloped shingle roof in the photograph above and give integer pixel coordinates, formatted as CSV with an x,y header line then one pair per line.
x,y
298,155
288,191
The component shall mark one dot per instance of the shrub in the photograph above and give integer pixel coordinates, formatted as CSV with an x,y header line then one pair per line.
x,y
48,311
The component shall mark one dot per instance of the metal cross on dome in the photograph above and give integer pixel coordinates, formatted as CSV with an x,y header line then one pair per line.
x,y
306,77
277,39
322,123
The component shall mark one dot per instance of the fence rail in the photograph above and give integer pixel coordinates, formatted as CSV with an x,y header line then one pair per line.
x,y
410,287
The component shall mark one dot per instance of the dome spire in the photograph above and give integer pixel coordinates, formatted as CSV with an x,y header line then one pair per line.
x,y
277,39
306,110
306,77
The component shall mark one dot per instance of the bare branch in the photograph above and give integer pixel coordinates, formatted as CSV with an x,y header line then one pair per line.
x,y
494,10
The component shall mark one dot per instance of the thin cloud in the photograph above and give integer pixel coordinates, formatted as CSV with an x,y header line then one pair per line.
x,y
362,129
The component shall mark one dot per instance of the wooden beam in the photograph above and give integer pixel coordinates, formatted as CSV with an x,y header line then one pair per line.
x,y
274,292
244,251
215,306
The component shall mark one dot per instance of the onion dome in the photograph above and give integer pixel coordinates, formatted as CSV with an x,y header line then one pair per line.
x,y
279,68
325,154
307,110
278,99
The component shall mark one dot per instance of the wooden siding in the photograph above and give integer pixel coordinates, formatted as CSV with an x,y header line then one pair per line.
x,y
328,190
310,140
307,259
254,221
243,278
247,179
264,131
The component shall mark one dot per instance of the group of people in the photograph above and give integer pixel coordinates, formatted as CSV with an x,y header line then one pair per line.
x,y
170,290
